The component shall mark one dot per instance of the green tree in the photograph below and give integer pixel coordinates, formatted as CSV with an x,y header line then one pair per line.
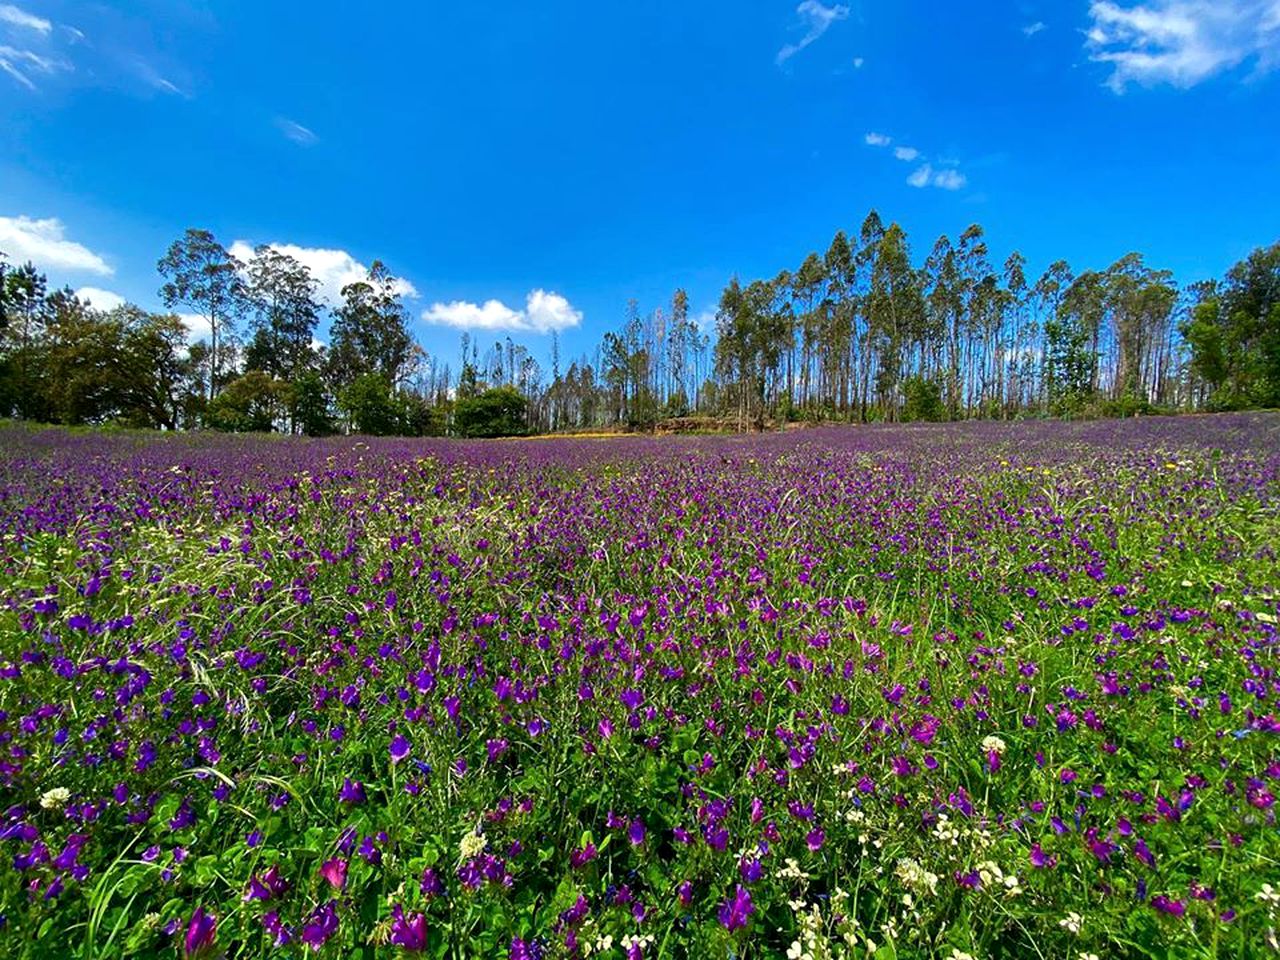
x,y
252,403
309,405
1234,333
498,412
27,311
201,275
282,297
370,406
922,400
370,332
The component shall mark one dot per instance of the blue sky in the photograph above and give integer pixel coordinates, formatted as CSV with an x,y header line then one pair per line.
x,y
526,166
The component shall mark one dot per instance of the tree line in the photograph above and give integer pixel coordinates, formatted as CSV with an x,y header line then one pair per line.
x,y
858,333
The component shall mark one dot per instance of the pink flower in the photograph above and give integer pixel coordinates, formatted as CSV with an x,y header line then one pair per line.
x,y
335,871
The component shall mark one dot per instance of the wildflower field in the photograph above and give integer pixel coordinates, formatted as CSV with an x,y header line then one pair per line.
x,y
987,690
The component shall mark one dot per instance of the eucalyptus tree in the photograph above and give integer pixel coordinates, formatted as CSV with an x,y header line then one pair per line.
x,y
837,357
284,313
201,275
370,332
869,237
1046,297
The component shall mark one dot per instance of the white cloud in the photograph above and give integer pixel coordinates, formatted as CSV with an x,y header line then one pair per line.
x,y
1031,29
921,177
949,180
44,243
17,17
816,18
1182,42
197,328
296,132
543,313
858,62
100,299
906,154
877,140
926,176
705,321
332,269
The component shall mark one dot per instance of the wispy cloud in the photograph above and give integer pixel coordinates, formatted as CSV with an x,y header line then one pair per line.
x,y
21,64
816,19
44,243
945,179
296,132
17,17
153,78
1182,42
906,154
858,63
332,269
32,48
877,140
1031,29
543,312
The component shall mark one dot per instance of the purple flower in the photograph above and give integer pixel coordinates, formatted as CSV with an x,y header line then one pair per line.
x,y
352,791
269,886
734,912
280,934
400,748
369,851
409,933
580,858
202,933
1041,860
431,885
636,832
321,925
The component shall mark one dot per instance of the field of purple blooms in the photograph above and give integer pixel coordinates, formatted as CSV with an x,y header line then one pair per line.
x,y
986,690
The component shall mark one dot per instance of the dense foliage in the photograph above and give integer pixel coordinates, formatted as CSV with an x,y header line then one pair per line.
x,y
859,333
973,690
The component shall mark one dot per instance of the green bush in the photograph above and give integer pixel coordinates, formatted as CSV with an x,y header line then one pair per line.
x,y
499,412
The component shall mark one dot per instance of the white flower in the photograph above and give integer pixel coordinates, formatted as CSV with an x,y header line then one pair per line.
x,y
472,845
55,799
1071,921
915,876
993,745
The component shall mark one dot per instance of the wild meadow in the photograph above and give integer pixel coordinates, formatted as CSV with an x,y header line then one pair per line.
x,y
968,691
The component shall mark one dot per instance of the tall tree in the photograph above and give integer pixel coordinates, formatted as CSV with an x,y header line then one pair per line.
x,y
202,276
370,331
282,294
27,312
